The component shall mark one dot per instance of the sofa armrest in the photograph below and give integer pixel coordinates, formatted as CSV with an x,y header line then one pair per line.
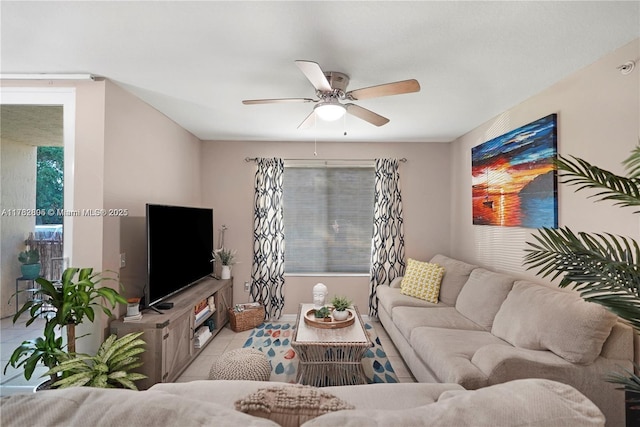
x,y
395,283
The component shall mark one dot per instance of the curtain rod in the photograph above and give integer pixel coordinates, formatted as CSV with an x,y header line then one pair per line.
x,y
253,159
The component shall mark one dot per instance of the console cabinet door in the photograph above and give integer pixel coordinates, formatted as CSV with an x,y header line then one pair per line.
x,y
177,347
224,300
152,357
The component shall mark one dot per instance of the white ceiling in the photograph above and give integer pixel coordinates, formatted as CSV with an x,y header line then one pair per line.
x,y
196,61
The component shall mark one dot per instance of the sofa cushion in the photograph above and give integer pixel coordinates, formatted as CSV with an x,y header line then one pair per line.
x,y
523,403
448,353
482,295
455,276
422,280
362,396
539,317
407,319
388,298
376,396
90,406
290,405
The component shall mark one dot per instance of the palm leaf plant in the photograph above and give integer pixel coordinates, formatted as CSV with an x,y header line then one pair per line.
x,y
604,268
109,368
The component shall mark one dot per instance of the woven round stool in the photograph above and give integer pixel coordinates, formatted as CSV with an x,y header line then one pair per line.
x,y
241,364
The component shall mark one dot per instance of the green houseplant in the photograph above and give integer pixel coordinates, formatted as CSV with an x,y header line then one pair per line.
x,y
71,301
30,353
227,259
603,268
225,256
66,304
109,368
30,260
322,313
340,305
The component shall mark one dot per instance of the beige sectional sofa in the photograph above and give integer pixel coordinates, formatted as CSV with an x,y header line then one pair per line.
x,y
489,328
540,403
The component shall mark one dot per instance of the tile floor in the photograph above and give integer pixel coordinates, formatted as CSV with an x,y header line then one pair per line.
x,y
14,382
228,340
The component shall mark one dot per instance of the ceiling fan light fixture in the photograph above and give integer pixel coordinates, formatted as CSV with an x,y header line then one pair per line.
x,y
329,111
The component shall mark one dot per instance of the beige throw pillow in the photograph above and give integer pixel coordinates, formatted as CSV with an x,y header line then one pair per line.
x,y
456,274
422,280
482,295
538,317
290,405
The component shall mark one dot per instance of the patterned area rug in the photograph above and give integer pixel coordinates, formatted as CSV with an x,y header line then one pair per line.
x,y
274,340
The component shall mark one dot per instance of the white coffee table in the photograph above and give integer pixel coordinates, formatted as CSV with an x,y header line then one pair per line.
x,y
330,357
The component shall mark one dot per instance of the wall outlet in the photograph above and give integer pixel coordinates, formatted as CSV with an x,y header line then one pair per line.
x,y
123,260
246,286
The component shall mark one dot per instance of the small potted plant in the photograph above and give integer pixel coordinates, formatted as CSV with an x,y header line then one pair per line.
x,y
340,305
227,259
323,313
30,260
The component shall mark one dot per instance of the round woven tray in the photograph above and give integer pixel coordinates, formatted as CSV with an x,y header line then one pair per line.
x,y
311,320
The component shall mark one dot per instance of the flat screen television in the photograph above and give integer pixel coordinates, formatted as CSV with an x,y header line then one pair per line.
x,y
179,246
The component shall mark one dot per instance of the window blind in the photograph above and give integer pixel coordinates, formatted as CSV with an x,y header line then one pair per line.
x,y
328,218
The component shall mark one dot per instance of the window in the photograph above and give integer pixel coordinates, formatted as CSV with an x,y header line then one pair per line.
x,y
328,218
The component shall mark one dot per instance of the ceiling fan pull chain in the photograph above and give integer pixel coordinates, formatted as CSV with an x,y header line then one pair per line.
x,y
344,124
315,136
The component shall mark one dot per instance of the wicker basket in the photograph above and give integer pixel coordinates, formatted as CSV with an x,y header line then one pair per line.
x,y
245,320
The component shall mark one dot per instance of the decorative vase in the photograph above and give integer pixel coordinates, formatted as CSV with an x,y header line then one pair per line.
x,y
226,272
340,315
30,271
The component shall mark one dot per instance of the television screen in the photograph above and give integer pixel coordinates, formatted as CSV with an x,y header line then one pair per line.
x,y
179,246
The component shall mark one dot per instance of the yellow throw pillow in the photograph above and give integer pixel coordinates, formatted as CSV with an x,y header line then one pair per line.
x,y
422,280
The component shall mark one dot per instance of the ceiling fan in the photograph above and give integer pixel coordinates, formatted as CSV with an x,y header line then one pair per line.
x,y
331,88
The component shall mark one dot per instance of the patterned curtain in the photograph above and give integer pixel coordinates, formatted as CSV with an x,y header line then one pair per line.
x,y
267,272
387,248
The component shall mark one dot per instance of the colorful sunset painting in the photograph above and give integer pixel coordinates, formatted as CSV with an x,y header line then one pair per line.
x,y
513,177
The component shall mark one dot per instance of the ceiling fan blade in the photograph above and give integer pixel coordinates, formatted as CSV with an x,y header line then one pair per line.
x,y
309,121
396,88
366,115
276,100
314,73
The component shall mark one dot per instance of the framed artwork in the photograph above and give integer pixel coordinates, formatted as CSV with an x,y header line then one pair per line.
x,y
514,180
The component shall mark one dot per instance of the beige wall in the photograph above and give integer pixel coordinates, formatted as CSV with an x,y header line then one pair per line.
x,y
227,187
598,119
149,159
125,154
